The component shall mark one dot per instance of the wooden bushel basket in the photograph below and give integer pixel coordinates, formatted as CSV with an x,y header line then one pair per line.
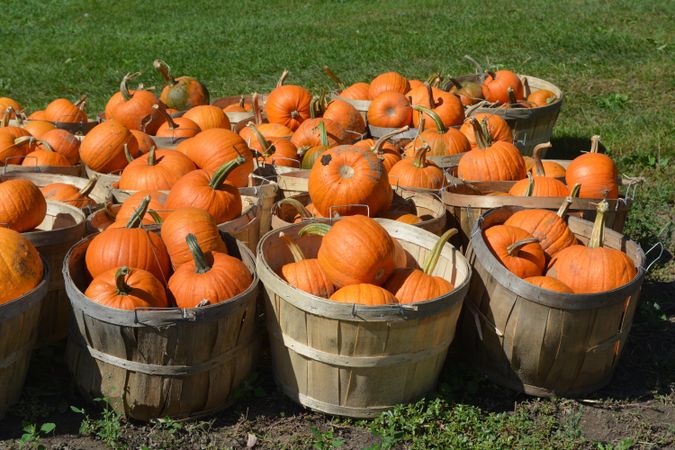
x,y
62,227
542,342
355,360
108,181
18,332
160,362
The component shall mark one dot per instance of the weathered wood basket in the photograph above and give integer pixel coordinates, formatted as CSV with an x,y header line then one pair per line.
x,y
72,171
467,202
355,360
163,362
542,342
18,332
108,181
62,227
293,182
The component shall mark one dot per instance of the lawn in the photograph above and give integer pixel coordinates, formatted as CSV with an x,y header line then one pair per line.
x,y
613,61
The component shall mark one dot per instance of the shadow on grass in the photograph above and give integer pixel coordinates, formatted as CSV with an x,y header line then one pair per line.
x,y
569,147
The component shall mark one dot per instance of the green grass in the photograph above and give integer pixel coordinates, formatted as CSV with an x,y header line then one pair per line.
x,y
613,62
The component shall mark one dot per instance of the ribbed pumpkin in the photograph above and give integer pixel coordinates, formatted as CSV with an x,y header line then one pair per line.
x,y
207,117
176,128
550,284
63,110
390,109
356,91
595,172
355,249
539,185
64,143
305,274
214,194
497,128
23,206
12,145
69,194
417,172
447,106
516,249
20,265
414,285
131,204
309,135
129,246
364,294
313,153
44,155
134,108
269,130
491,161
184,221
144,140
158,170
441,140
208,279
102,149
288,104
388,82
348,175
10,104
542,97
593,268
183,92
346,115
127,288
279,152
496,84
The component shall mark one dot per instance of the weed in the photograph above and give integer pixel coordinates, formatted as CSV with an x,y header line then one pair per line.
x,y
249,388
30,439
612,101
325,440
107,428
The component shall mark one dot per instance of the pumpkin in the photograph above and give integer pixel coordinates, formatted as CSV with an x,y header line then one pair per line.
x,y
38,128
497,128
417,172
291,210
134,108
388,82
208,279
154,215
67,193
496,84
12,147
593,268
542,97
144,140
129,246
279,152
308,133
305,274
207,117
23,207
448,107
364,294
64,143
539,185
414,285
288,105
180,93
314,152
441,140
515,102
269,130
11,104
349,117
388,153
158,170
550,284
102,149
347,177
469,92
127,288
198,189
355,249
516,249
390,109
194,221
595,172
176,128
21,268
44,155
63,110
491,161
356,91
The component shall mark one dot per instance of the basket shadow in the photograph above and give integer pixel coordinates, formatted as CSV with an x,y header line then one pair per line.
x,y
569,147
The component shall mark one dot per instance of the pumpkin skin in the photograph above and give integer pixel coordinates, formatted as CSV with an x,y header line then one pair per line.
x,y
197,222
134,108
20,265
102,149
64,143
542,97
550,284
176,128
23,207
387,152
348,175
541,187
551,169
144,141
496,84
417,172
596,172
497,127
269,130
390,109
364,294
6,103
547,226
523,261
388,82
447,106
131,204
10,151
442,141
305,274
159,171
183,92
140,289
278,152
309,135
67,193
63,110
288,105
45,156
38,128
357,91
346,115
208,279
207,117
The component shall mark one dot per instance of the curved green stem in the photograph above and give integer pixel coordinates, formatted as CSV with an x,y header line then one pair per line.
x,y
515,247
562,211
432,259
295,249
434,116
333,77
478,130
314,229
299,207
323,134
598,232
377,148
137,217
87,188
198,255
124,88
264,143
152,159
155,216
120,282
164,69
224,170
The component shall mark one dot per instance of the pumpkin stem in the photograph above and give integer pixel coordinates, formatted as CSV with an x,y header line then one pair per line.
x,y
257,111
562,211
29,140
124,88
87,188
377,148
478,129
485,129
430,92
122,288
479,67
137,217
264,143
127,153
432,259
434,116
420,161
152,159
5,117
530,185
513,249
595,144
323,134
598,232
164,69
282,78
536,155
452,82
512,96
295,249
164,113
242,102
107,208
313,107
155,216
82,102
201,264
302,210
526,87
314,229
434,79
334,77
224,170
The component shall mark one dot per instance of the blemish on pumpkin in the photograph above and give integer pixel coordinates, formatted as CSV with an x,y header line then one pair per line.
x,y
326,159
346,171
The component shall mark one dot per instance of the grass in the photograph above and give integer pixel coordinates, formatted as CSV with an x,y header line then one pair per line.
x,y
613,61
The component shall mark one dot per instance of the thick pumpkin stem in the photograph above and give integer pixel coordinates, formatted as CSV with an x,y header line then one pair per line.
x,y
164,69
120,281
530,185
5,117
201,264
430,93
595,144
435,79
334,77
264,143
242,101
513,249
282,78
434,116
127,153
172,124
124,88
257,111
295,249
377,148
314,229
313,107
420,161
323,134
82,102
598,232
562,211
512,96
87,188
137,217
224,170
155,216
152,158
432,259
299,207
481,136
536,155
526,87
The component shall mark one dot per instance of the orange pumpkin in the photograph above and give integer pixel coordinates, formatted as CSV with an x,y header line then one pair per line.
x,y
67,193
144,140
539,185
11,104
550,284
207,117
64,143
127,288
279,152
159,170
417,172
184,221
346,115
176,128
516,249
364,294
387,152
388,82
308,133
442,141
102,149
288,105
44,155
542,97
305,274
20,265
23,207
497,128
496,84
596,172
447,106
156,209
390,109
180,93
134,108
63,110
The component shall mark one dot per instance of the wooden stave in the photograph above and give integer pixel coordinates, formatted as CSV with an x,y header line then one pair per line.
x,y
71,171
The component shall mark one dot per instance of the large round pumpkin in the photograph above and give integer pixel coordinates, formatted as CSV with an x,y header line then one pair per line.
x,y
127,288
102,149
516,249
20,265
596,172
197,222
23,206
305,274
